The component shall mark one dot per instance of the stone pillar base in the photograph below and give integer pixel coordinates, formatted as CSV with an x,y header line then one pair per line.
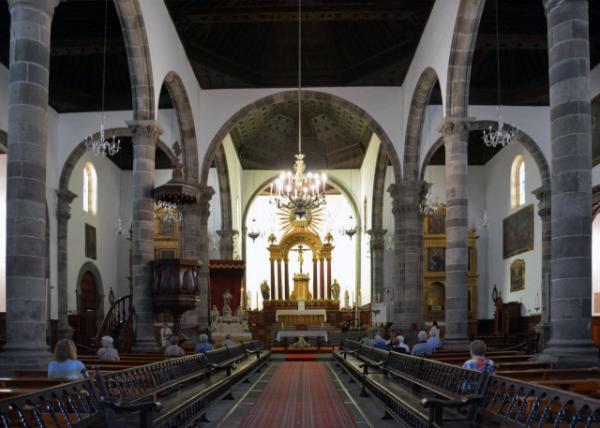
x,y
11,360
146,346
580,354
456,343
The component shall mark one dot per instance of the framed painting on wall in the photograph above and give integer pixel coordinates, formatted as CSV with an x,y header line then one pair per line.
x,y
517,275
517,232
436,224
436,259
90,241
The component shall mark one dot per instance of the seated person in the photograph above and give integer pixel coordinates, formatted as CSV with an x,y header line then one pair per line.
x,y
366,340
379,343
204,345
434,341
398,345
66,366
108,351
228,342
422,348
478,361
174,350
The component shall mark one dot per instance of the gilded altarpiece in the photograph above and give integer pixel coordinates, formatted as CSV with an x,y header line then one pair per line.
x,y
166,237
434,266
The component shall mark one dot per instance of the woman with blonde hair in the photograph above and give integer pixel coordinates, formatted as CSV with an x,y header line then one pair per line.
x,y
66,366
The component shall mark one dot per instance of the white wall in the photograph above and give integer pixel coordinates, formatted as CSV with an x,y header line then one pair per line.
x,y
214,220
2,233
499,206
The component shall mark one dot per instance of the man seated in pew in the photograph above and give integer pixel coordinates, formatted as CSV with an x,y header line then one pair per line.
x,y
174,350
66,366
478,360
423,348
379,342
203,345
228,341
434,341
108,351
398,345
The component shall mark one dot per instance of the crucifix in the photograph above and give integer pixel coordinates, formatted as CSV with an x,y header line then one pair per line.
x,y
301,250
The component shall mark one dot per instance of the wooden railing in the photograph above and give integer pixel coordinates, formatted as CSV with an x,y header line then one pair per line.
x,y
119,322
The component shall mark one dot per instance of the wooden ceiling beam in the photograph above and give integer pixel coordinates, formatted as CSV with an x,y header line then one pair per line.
x,y
225,65
311,13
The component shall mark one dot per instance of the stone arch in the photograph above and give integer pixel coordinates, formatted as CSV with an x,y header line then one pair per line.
x,y
414,127
63,213
307,95
185,120
138,57
3,140
226,233
595,200
93,269
461,57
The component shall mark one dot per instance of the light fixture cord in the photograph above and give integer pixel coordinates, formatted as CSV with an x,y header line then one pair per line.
x,y
498,58
104,56
299,76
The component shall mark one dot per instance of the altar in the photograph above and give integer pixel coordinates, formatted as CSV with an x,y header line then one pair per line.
x,y
299,316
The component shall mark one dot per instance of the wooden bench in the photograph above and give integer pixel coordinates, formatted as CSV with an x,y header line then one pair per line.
x,y
415,391
182,389
510,402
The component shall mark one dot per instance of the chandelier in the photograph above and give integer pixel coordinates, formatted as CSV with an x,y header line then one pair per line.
x,y
298,191
349,228
254,231
499,136
102,145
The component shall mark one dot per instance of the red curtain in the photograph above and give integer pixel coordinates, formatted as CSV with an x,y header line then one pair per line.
x,y
226,275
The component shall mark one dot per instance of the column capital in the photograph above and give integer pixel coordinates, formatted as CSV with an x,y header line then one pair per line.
x,y
455,125
63,207
47,6
543,195
551,4
145,128
204,196
377,238
227,233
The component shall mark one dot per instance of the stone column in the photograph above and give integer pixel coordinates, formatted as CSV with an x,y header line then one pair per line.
x,y
226,243
456,138
315,279
396,192
287,279
203,309
377,243
145,135
544,199
26,242
570,113
63,214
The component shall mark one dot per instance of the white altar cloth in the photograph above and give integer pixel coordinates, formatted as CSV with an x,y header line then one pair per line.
x,y
301,333
288,312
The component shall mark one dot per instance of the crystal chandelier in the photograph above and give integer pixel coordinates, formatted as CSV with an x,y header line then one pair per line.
x,y
350,228
102,145
299,191
254,231
493,137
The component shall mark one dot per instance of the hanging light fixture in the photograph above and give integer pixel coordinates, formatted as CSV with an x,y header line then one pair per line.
x,y
350,228
102,145
254,231
299,191
493,137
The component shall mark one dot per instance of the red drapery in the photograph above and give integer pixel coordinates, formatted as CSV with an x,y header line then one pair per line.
x,y
226,275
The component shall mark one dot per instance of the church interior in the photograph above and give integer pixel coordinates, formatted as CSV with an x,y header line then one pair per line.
x,y
262,213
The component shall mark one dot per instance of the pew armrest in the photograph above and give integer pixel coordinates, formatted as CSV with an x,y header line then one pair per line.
x,y
467,400
143,406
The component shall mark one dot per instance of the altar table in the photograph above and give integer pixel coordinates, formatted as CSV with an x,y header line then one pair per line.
x,y
301,333
296,316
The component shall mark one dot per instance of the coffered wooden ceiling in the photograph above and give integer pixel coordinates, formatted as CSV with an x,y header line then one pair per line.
x,y
332,137
253,44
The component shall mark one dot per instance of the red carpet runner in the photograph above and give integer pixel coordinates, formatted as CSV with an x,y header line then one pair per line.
x,y
299,395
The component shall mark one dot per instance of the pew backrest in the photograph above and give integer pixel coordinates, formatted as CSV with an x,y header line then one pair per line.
x,y
72,404
516,403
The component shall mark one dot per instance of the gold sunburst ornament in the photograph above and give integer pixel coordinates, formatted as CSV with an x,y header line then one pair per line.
x,y
290,221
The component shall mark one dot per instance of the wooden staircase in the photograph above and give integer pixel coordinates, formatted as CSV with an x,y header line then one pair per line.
x,y
118,323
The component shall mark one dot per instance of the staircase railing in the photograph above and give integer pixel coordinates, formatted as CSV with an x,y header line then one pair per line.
x,y
119,316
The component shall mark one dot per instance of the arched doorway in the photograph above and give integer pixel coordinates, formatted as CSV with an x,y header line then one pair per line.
x,y
87,305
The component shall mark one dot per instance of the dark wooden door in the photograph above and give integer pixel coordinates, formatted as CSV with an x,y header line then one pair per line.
x,y
87,306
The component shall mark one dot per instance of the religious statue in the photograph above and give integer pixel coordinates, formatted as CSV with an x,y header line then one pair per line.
x,y
346,299
226,307
301,344
335,290
240,314
265,290
301,250
214,314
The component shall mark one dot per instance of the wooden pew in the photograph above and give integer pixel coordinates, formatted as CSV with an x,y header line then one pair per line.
x,y
553,374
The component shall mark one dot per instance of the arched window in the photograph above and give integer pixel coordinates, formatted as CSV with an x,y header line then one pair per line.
x,y
517,182
90,189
